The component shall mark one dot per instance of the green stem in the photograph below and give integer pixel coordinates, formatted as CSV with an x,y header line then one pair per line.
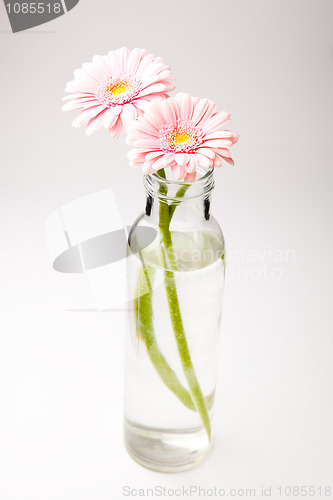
x,y
176,318
180,194
145,329
188,368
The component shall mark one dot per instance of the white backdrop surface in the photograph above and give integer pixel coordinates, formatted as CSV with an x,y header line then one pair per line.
x,y
270,64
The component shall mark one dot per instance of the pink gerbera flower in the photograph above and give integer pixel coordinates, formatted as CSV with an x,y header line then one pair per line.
x,y
181,132
115,89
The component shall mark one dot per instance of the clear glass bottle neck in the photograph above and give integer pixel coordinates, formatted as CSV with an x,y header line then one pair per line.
x,y
190,199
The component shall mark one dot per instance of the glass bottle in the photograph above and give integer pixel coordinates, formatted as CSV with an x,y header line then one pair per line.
x,y
176,267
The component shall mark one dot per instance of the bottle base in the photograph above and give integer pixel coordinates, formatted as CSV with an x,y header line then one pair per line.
x,y
166,450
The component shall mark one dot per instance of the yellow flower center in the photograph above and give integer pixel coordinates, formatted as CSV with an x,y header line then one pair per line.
x,y
182,137
179,136
117,88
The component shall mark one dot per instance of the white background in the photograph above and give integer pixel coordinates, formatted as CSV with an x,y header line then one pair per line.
x,y
269,63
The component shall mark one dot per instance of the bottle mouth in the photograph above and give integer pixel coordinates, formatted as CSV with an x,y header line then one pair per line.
x,y
178,190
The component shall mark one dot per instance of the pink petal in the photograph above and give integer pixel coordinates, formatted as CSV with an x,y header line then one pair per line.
x,y
206,152
168,112
148,166
137,159
168,86
110,118
185,105
204,161
128,114
155,120
100,63
81,74
81,95
192,164
87,115
133,154
134,59
122,55
220,134
159,163
178,171
144,64
228,160
95,123
117,128
181,158
223,152
142,126
154,154
217,161
217,143
141,104
151,68
114,62
234,137
79,104
135,164
84,84
156,87
93,71
216,121
117,109
155,68
162,76
150,143
190,177
173,105
169,158
202,108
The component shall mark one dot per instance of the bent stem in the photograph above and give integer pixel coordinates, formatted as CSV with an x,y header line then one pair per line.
x,y
189,372
165,215
194,400
145,329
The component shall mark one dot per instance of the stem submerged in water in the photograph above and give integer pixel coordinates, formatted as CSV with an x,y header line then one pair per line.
x,y
165,214
145,329
194,399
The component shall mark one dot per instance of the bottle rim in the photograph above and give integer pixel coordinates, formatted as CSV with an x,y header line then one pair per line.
x,y
201,186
